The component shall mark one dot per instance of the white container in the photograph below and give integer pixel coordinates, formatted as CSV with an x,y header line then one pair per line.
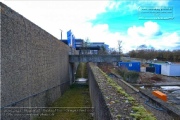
x,y
143,69
170,69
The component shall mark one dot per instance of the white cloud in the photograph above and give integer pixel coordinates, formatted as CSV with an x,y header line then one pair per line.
x,y
54,15
138,35
149,29
127,7
114,5
155,2
162,2
99,33
168,41
66,15
133,6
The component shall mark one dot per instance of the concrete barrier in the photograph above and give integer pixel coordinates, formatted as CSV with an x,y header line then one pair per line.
x,y
101,111
34,66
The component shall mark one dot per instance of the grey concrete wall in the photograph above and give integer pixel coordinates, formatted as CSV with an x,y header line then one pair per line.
x,y
94,58
32,62
101,111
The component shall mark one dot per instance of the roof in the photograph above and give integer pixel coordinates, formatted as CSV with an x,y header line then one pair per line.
x,y
88,48
64,41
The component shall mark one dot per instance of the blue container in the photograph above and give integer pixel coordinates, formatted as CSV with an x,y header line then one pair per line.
x,y
157,68
133,66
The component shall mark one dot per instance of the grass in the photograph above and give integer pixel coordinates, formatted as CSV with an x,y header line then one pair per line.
x,y
129,76
140,112
74,100
81,71
75,104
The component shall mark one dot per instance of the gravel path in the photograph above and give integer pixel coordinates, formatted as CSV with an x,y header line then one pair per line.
x,y
120,110
160,115
121,105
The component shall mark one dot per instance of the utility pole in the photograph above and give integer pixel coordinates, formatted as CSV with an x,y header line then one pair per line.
x,y
61,33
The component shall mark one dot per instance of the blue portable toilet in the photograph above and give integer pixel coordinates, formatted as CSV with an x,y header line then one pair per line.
x,y
157,68
133,66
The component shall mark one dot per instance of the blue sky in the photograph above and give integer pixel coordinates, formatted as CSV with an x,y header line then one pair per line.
x,y
105,21
124,16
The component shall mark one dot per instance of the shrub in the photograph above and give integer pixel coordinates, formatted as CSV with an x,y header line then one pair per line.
x,y
82,71
122,71
131,76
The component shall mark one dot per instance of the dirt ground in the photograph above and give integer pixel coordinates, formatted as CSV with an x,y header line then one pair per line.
x,y
124,105
145,77
151,78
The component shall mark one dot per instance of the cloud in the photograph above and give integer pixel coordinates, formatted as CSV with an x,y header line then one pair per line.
x,y
114,5
133,6
54,15
154,2
162,2
99,33
149,29
166,41
169,40
176,47
178,43
127,7
150,35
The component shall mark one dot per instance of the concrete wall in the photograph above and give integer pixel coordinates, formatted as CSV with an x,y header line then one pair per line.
x,y
101,111
94,58
34,64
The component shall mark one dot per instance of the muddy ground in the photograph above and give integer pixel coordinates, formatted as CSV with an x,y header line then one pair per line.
x,y
152,78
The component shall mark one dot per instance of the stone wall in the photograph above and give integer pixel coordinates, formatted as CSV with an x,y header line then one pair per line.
x,y
101,110
34,64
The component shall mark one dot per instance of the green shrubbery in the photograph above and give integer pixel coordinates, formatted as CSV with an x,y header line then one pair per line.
x,y
78,71
129,76
82,71
85,71
141,113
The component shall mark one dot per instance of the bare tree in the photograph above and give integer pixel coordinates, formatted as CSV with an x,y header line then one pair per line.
x,y
86,45
102,50
120,46
164,55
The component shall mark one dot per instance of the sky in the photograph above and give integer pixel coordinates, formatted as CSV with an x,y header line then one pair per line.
x,y
134,22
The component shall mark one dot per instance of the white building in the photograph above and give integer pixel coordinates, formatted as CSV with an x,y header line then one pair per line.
x,y
170,69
